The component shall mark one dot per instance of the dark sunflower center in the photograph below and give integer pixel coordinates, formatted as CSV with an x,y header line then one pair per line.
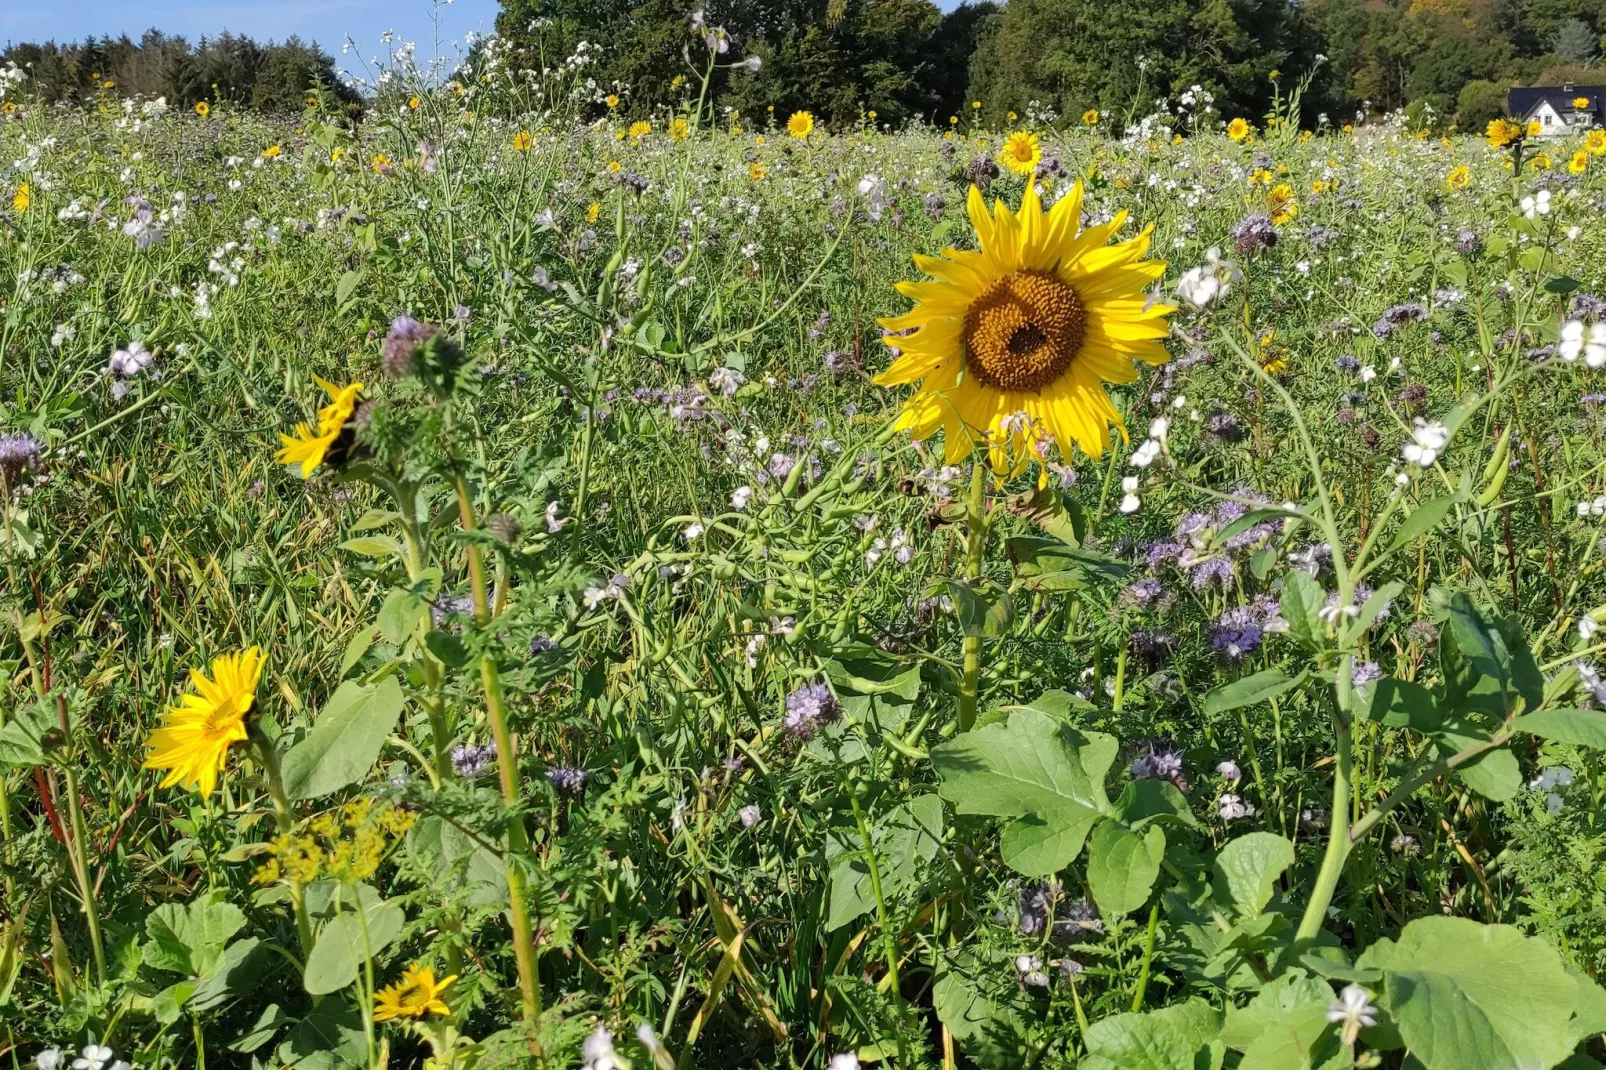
x,y
1023,332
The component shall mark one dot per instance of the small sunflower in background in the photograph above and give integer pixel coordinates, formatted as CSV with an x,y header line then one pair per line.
x,y
1018,338
1579,162
1021,153
1281,204
522,141
640,129
757,171
1501,132
416,995
678,129
202,108
1272,354
1595,142
800,125
22,198
309,448
1459,177
1238,130
1091,117
193,742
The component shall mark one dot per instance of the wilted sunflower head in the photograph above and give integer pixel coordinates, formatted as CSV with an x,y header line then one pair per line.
x,y
1014,342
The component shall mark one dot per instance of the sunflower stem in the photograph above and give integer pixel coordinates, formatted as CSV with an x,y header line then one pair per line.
x,y
975,551
518,843
80,861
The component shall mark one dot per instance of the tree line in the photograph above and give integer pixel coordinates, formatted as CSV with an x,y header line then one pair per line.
x,y
273,78
1444,61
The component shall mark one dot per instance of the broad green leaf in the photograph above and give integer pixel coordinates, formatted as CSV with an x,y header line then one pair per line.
x,y
1589,1020
22,743
1122,866
1180,1037
399,616
1246,870
374,546
1285,993
1494,774
1143,802
1050,565
347,286
344,741
879,704
979,1007
905,839
1041,775
1302,602
242,964
330,1037
1469,995
190,938
1248,690
1374,605
267,1024
1586,728
1404,704
342,945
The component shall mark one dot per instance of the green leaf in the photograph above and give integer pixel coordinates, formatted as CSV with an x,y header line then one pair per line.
x,y
1469,995
374,546
904,839
1246,870
342,948
1586,728
1040,774
1122,866
1281,1024
1143,802
1494,774
990,614
1423,519
346,286
1589,1021
1302,602
399,616
984,1015
1249,690
1403,704
22,743
330,1037
467,869
267,1024
190,938
242,965
1181,1037
357,647
1051,565
344,741
448,648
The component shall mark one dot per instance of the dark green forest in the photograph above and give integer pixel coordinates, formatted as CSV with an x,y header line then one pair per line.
x,y
907,60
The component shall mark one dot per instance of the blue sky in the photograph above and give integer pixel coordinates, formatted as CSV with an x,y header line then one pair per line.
x,y
326,21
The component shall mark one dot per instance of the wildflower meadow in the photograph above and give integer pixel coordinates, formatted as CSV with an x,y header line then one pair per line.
x,y
495,580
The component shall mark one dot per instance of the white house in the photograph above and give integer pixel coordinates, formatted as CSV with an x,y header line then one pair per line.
x,y
1560,110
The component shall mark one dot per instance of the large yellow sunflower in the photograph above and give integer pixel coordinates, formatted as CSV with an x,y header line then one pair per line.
x,y
416,995
800,125
1016,340
195,736
307,447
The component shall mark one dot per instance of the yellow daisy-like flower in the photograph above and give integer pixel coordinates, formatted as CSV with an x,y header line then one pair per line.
x,y
413,103
1021,153
1238,130
679,129
1534,129
194,740
1595,142
593,210
614,167
522,141
1458,178
271,151
1016,339
380,163
307,447
1501,132
416,995
612,100
800,125
1011,116
1580,102
1579,163
1280,203
640,129
757,172
1540,162
21,199
202,108
1090,117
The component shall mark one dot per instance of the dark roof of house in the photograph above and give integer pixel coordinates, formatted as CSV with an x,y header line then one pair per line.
x,y
1524,99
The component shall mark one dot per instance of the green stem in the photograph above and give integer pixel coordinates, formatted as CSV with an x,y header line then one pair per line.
x,y
1338,840
1148,956
880,900
975,548
80,860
